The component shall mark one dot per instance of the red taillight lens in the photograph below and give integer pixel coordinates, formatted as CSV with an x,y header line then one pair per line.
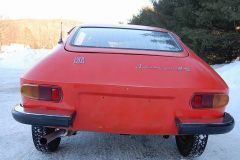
x,y
42,92
49,93
209,100
197,101
55,94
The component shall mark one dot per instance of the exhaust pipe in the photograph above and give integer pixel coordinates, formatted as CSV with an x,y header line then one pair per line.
x,y
48,138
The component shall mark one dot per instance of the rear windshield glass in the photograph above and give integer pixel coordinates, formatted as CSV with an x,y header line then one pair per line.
x,y
125,39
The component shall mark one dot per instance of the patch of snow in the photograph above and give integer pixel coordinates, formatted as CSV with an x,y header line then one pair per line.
x,y
231,75
216,66
201,136
22,59
4,55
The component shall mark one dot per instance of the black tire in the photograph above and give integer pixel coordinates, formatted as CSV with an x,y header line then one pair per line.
x,y
38,132
191,145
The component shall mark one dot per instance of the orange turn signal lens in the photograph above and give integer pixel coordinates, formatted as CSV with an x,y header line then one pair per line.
x,y
42,92
30,91
220,100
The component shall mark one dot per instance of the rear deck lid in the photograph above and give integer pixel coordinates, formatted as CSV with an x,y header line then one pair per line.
x,y
95,39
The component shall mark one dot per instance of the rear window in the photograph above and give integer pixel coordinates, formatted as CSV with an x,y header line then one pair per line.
x,y
125,39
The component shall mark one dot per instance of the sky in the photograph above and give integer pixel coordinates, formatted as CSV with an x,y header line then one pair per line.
x,y
88,11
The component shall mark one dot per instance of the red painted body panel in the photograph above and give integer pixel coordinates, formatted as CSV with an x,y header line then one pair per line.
x,y
111,93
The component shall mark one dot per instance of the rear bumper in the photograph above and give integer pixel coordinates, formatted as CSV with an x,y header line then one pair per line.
x,y
66,118
205,126
43,117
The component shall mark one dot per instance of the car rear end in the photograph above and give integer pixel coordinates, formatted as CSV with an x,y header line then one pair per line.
x,y
127,80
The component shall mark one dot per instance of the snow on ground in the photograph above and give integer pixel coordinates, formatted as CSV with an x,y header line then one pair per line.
x,y
16,141
22,59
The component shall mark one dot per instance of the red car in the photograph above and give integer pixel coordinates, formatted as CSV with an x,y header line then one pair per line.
x,y
123,79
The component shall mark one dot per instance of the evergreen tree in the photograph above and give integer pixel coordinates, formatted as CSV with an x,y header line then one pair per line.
x,y
210,28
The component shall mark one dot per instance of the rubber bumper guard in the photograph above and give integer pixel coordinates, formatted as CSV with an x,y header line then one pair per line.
x,y
43,117
205,126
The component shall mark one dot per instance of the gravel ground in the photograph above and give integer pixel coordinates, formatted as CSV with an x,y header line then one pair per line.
x,y
16,140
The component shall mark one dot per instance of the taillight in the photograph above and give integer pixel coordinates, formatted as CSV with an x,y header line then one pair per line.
x,y
42,92
201,100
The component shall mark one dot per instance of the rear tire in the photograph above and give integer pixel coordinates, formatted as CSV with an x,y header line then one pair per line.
x,y
38,132
191,145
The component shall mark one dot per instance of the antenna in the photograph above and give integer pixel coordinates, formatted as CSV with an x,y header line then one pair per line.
x,y
60,39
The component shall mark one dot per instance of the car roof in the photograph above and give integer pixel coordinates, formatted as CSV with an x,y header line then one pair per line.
x,y
124,26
